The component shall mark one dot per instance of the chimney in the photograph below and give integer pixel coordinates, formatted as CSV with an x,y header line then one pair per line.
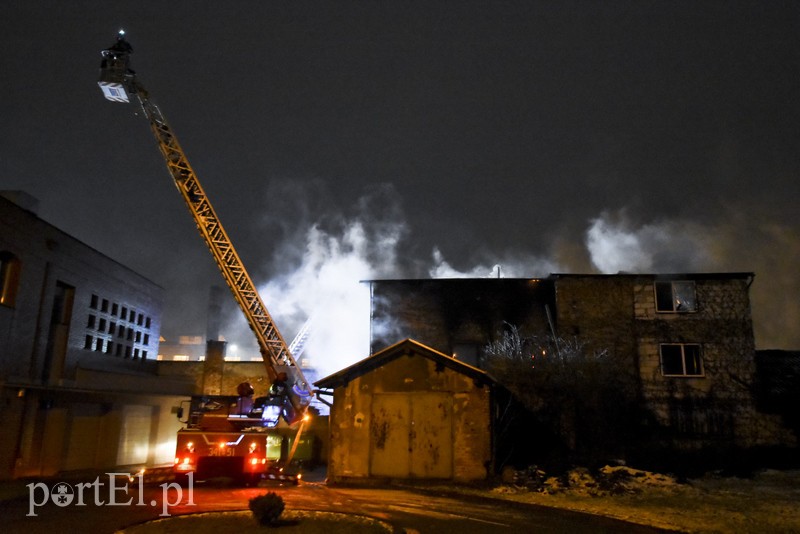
x,y
214,367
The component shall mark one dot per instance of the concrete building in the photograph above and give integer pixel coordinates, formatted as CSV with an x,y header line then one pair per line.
x,y
79,336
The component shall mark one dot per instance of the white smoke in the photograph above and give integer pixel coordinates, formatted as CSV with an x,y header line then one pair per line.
x,y
616,244
506,267
743,241
327,287
326,280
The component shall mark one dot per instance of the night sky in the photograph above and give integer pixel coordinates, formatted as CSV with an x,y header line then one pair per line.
x,y
416,139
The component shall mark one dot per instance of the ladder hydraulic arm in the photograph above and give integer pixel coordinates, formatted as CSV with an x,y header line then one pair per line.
x,y
119,84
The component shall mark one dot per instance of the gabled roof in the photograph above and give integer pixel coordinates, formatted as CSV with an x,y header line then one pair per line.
x,y
401,348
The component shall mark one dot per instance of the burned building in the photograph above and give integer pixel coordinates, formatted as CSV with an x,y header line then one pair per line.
x,y
686,338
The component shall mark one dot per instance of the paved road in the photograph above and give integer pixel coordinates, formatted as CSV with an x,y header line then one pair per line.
x,y
409,510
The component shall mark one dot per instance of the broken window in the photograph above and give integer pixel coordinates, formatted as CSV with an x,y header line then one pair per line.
x,y
675,296
681,359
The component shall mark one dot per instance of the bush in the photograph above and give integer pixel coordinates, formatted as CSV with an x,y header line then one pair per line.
x,y
267,508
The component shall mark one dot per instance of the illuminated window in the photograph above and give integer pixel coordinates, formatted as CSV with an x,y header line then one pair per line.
x,y
9,278
676,297
681,359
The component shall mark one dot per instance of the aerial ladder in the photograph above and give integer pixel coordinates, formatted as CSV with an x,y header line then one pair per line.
x,y
119,84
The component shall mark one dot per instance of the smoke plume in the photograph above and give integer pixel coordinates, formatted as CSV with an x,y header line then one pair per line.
x,y
744,242
325,282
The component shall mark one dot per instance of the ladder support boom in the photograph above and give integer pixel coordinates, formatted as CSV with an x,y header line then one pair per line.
x,y
119,84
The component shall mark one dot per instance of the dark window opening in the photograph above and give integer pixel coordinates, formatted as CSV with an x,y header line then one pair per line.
x,y
681,359
675,297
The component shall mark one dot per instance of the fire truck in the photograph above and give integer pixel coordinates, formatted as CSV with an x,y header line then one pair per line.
x,y
236,436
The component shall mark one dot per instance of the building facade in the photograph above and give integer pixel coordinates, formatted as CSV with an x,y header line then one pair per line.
x,y
79,335
688,338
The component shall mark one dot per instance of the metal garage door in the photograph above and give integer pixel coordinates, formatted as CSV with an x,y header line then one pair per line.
x,y
411,435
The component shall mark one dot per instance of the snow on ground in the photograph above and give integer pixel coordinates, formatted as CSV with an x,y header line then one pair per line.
x,y
767,502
